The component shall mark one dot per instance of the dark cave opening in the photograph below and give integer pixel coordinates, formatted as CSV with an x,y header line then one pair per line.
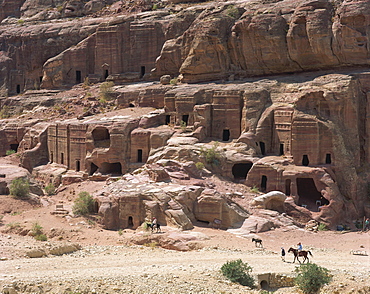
x,y
309,196
240,170
111,168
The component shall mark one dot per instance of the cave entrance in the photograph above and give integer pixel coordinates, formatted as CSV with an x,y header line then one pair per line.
x,y
263,183
305,161
240,170
93,168
328,158
287,187
142,72
264,285
18,89
168,119
14,147
62,158
78,76
101,137
185,118
139,155
106,74
130,222
263,148
225,135
281,149
78,165
111,168
309,196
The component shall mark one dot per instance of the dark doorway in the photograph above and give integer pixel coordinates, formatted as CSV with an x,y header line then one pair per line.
x,y
281,149
14,147
240,170
139,155
225,135
185,118
101,137
51,157
305,161
142,71
168,119
130,222
287,186
308,194
328,158
40,80
78,165
131,105
111,168
264,285
18,89
263,183
78,76
262,147
106,74
93,168
61,158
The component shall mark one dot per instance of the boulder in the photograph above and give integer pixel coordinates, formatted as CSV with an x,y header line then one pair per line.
x,y
273,200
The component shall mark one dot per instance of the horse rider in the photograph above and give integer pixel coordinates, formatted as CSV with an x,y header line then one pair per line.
x,y
154,222
299,247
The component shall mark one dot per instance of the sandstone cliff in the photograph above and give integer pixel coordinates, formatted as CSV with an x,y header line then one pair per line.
x,y
305,134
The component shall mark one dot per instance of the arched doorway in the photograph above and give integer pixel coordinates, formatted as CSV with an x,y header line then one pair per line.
x,y
305,161
130,222
263,183
240,170
225,135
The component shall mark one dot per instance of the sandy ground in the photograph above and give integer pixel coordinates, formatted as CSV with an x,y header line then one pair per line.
x,y
109,263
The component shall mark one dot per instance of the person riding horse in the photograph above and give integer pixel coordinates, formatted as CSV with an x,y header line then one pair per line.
x,y
297,253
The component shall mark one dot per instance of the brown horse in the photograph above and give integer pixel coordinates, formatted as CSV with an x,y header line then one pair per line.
x,y
297,253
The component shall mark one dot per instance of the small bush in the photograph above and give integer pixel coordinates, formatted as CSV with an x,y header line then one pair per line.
x,y
174,81
238,272
255,190
311,277
37,232
232,11
41,237
120,232
50,189
322,227
211,155
5,112
19,188
106,91
199,165
155,6
10,152
84,204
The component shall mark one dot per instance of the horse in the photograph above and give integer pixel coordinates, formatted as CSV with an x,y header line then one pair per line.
x,y
257,241
297,253
154,226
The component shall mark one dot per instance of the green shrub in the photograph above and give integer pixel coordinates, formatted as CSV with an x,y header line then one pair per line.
x,y
50,189
155,6
19,188
84,204
10,152
311,277
41,237
322,227
232,11
174,81
255,189
211,155
238,272
106,91
36,229
5,112
199,165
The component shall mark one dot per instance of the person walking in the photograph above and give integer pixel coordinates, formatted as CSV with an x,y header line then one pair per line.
x,y
282,254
